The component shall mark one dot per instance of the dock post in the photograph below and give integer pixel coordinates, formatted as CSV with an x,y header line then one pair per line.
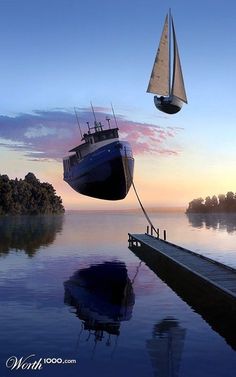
x,y
151,231
158,233
164,235
130,240
147,229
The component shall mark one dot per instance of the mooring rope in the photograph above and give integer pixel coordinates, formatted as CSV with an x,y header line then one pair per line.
x,y
139,200
143,209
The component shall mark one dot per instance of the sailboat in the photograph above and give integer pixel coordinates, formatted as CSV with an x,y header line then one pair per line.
x,y
165,348
167,78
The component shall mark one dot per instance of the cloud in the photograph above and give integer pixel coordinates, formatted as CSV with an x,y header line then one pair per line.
x,y
40,131
49,134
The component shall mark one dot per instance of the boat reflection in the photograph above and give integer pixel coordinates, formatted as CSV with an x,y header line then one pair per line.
x,y
218,313
102,296
216,221
28,233
165,348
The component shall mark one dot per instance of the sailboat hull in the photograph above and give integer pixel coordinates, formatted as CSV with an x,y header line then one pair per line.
x,y
169,105
106,173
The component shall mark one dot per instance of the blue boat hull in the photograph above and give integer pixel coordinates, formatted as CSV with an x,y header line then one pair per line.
x,y
102,295
106,173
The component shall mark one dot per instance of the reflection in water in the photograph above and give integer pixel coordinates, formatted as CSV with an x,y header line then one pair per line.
x,y
219,314
165,348
220,221
102,296
28,233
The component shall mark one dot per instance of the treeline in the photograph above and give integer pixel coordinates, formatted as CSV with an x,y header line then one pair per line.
x,y
222,203
28,196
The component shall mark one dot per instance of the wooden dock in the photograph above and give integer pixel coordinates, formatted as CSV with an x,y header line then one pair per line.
x,y
208,286
214,273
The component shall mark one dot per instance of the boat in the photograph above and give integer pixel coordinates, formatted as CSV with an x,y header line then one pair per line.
x,y
102,165
102,296
167,78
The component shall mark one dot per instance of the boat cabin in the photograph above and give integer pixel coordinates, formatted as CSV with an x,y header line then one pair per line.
x,y
92,141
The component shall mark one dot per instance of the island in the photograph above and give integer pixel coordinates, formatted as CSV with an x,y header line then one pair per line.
x,y
221,204
28,196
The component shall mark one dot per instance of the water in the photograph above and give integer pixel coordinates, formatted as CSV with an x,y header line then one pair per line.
x,y
72,290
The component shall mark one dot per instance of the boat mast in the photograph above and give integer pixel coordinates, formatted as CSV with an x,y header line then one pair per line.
x,y
169,32
113,112
77,118
95,120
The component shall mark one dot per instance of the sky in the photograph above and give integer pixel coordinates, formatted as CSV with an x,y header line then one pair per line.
x,y
61,54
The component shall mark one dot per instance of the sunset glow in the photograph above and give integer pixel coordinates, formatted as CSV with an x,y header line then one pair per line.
x,y
49,66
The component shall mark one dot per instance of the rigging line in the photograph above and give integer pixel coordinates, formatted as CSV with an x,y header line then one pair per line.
x,y
139,200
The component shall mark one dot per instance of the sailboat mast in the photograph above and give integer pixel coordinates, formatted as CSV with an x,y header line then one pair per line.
x,y
174,56
169,35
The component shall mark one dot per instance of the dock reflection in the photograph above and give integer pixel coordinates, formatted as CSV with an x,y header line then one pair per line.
x,y
216,221
219,314
102,296
28,233
165,348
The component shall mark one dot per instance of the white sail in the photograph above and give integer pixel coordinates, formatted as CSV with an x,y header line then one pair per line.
x,y
159,80
178,88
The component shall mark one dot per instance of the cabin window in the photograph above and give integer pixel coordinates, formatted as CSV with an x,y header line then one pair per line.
x,y
109,134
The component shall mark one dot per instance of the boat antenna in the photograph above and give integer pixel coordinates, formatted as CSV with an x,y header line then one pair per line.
x,y
95,120
77,118
113,112
108,121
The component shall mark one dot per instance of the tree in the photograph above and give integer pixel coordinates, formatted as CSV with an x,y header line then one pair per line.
x,y
214,201
224,203
196,205
28,196
208,204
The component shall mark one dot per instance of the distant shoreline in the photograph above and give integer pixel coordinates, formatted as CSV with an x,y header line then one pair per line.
x,y
132,210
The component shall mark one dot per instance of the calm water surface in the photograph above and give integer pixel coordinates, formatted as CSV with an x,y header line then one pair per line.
x,y
71,289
